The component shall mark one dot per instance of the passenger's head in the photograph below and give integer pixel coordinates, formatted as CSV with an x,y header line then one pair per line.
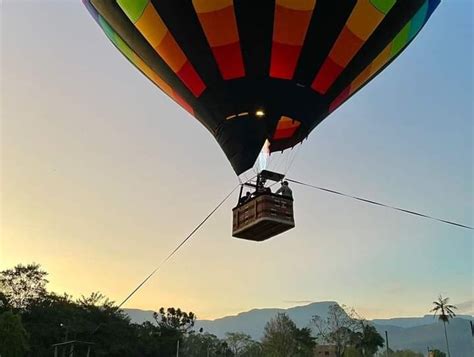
x,y
285,183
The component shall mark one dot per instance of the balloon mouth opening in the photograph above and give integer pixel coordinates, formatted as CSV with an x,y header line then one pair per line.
x,y
262,160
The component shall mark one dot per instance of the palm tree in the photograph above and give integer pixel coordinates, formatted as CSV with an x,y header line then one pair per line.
x,y
444,311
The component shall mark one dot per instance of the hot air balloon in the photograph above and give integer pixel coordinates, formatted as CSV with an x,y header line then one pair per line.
x,y
260,72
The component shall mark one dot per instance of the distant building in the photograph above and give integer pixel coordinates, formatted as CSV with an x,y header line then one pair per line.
x,y
324,351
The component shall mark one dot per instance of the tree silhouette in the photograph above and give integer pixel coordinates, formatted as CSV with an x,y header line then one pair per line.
x,y
279,339
338,328
445,312
238,342
23,284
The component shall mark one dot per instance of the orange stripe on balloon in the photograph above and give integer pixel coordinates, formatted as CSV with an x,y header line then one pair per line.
x,y
152,27
383,57
291,22
286,128
360,25
160,83
125,49
219,24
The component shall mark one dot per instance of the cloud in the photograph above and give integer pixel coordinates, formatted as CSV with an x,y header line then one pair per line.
x,y
466,307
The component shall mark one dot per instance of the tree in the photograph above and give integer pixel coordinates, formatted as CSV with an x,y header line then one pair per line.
x,y
54,319
367,341
445,312
175,319
279,337
254,349
305,342
204,344
48,318
338,328
238,342
4,304
23,284
437,353
13,336
173,324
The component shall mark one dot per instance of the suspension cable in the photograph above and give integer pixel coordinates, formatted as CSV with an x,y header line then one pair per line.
x,y
380,204
177,248
173,252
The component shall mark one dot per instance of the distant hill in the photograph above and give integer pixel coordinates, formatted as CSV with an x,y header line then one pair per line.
x,y
418,338
407,322
253,322
415,333
139,316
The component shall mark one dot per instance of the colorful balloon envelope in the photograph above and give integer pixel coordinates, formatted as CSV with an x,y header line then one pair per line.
x,y
257,71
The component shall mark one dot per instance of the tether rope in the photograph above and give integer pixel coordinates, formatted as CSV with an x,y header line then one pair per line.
x,y
177,248
380,204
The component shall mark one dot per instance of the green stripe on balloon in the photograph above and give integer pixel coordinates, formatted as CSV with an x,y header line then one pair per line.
x,y
418,20
133,8
400,40
109,31
383,6
116,39
125,49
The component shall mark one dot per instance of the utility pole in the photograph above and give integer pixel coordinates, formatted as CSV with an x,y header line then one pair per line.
x,y
386,342
177,348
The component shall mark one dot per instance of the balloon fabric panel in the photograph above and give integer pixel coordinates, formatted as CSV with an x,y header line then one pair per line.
x,y
257,71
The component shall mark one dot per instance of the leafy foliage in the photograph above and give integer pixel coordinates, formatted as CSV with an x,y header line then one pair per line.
x,y
282,338
443,309
204,344
23,285
343,328
437,353
367,341
238,342
337,329
13,336
278,339
33,319
305,342
49,318
175,319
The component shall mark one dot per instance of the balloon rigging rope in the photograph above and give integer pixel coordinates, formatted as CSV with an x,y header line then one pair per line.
x,y
380,204
177,248
295,154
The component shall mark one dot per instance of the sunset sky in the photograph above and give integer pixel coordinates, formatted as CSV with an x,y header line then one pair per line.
x,y
102,175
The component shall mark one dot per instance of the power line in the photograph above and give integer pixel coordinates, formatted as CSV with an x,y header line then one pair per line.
x,y
177,248
381,204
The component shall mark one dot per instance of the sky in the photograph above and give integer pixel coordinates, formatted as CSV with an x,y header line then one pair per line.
x,y
102,175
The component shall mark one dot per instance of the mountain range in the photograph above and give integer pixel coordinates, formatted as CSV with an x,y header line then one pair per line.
x,y
415,333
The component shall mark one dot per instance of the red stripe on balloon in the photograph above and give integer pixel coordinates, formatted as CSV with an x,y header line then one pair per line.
x,y
183,103
229,60
284,60
191,79
326,76
341,98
